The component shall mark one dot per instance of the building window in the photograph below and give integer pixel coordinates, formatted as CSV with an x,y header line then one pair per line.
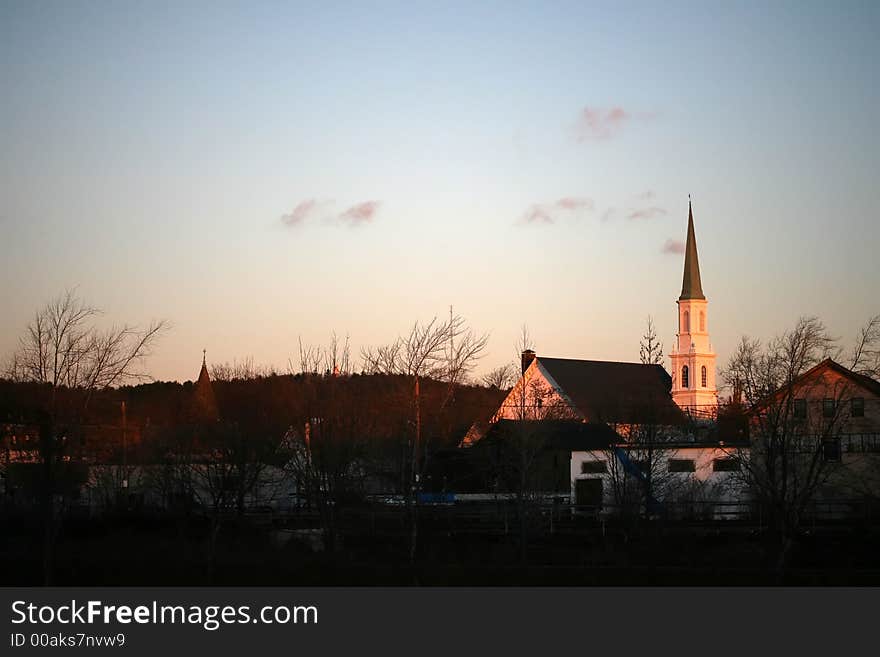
x,y
593,467
682,465
831,450
684,376
827,408
702,322
725,465
800,409
686,324
857,407
703,376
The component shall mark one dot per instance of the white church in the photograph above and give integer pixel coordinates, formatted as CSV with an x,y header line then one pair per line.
x,y
576,399
627,393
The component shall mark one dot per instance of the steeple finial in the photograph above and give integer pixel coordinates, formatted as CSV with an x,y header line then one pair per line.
x,y
204,356
691,286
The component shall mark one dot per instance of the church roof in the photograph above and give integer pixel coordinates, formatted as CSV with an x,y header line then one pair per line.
x,y
205,401
563,435
204,378
606,391
691,287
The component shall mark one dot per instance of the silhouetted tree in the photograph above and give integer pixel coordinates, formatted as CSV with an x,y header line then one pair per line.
x,y
502,377
441,350
784,467
650,348
64,348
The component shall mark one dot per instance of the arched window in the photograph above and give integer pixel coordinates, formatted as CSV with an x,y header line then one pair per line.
x,y
686,323
702,322
684,376
703,376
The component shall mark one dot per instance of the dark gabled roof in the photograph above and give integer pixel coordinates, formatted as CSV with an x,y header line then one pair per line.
x,y
828,364
604,391
565,435
691,286
861,380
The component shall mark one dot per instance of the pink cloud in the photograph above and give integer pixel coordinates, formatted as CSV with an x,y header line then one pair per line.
x,y
570,203
538,214
596,124
600,124
549,213
673,246
299,213
647,213
362,213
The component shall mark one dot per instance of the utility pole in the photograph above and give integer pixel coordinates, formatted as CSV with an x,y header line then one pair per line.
x,y
124,449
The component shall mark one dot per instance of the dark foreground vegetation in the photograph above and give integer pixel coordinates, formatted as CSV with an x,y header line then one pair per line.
x,y
458,548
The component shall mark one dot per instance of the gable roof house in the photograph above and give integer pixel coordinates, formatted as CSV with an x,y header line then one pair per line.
x,y
562,406
836,411
621,395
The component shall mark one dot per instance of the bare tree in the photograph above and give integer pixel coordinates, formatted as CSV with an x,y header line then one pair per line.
x,y
501,378
785,466
650,348
310,358
441,350
239,370
63,347
865,358
637,468
334,359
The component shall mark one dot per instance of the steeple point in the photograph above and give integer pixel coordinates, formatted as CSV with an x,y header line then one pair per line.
x,y
691,286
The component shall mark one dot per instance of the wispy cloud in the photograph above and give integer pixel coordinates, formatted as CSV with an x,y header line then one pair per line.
x,y
550,213
603,123
360,214
596,124
300,213
673,247
538,214
313,209
646,195
647,213
609,214
571,203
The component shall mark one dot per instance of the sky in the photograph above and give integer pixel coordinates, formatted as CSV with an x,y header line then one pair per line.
x,y
256,173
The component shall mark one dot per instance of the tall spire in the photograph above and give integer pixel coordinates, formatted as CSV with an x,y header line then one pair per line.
x,y
203,374
205,401
691,288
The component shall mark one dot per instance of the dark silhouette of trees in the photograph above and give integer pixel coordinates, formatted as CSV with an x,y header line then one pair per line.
x,y
785,466
64,349
442,350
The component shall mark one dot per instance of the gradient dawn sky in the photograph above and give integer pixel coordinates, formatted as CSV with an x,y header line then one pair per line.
x,y
256,172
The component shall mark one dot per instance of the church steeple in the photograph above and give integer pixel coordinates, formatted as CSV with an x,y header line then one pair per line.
x,y
204,378
691,287
205,403
692,356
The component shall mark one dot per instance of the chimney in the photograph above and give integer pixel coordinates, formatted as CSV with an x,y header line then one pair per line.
x,y
527,357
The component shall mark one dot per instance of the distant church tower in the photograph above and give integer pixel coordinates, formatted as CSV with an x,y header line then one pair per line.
x,y
204,402
693,360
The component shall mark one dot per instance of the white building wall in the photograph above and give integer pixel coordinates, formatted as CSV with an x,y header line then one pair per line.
x,y
705,484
